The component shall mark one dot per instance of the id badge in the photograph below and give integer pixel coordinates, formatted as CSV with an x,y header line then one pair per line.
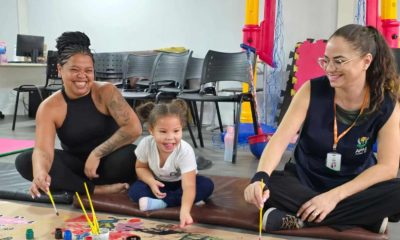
x,y
333,161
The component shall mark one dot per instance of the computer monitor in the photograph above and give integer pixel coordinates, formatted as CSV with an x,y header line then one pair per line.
x,y
30,46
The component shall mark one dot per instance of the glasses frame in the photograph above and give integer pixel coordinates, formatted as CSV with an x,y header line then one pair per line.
x,y
322,60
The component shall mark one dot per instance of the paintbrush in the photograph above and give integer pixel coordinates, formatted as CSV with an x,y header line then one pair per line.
x,y
95,222
261,209
52,202
91,225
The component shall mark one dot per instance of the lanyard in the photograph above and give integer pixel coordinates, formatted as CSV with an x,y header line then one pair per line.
x,y
336,138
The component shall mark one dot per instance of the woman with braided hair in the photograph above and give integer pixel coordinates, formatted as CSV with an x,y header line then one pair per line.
x,y
95,125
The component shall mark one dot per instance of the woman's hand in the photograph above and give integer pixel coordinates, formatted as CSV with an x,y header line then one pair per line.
x,y
317,208
40,182
91,165
254,194
185,219
155,188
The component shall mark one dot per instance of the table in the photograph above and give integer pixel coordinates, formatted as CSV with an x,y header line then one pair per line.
x,y
13,75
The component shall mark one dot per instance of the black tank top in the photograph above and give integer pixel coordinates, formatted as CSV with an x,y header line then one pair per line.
x,y
316,140
84,127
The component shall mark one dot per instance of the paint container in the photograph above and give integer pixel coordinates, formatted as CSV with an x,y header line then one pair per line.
x,y
104,234
133,238
29,234
58,233
67,235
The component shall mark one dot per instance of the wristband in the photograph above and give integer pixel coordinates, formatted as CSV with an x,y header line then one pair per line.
x,y
261,175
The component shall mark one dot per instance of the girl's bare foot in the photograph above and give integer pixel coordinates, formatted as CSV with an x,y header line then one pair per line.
x,y
111,188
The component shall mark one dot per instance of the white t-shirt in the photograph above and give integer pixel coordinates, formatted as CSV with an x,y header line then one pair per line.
x,y
180,161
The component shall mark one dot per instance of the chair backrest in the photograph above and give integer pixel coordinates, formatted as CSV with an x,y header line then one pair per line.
x,y
170,67
220,66
108,65
137,65
52,77
194,68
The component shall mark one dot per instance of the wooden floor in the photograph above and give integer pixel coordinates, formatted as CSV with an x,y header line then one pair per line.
x,y
245,165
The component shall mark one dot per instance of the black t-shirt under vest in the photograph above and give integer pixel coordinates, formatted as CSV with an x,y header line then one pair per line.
x,y
316,140
84,127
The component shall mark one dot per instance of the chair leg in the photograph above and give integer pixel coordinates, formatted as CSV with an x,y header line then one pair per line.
x,y
236,134
221,129
254,115
193,111
157,99
201,111
15,110
191,134
190,104
199,122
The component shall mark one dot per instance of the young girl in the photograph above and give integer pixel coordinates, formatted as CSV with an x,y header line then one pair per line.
x,y
166,164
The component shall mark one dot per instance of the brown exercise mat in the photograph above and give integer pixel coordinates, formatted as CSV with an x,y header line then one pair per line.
x,y
226,207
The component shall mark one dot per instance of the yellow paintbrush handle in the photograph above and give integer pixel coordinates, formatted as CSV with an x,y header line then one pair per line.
x,y
261,209
87,217
96,224
52,202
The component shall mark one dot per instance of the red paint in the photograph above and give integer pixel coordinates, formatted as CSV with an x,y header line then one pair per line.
x,y
133,220
80,218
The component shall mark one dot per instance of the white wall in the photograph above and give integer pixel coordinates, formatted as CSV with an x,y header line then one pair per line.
x,y
308,19
9,24
122,25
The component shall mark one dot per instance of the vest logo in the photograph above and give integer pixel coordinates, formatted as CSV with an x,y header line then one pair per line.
x,y
361,145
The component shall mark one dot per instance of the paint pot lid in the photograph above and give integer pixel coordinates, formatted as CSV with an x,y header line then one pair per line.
x,y
58,233
67,235
29,234
133,238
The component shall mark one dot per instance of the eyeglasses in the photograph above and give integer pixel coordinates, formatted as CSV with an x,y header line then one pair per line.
x,y
337,63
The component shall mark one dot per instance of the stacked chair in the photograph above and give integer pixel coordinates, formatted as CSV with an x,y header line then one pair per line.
x,y
137,67
193,72
108,67
168,68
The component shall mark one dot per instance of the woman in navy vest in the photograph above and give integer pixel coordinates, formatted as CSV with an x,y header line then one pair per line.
x,y
335,179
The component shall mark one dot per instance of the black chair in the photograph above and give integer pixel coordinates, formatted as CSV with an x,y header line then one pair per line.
x,y
108,67
53,83
53,80
193,72
218,67
137,67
